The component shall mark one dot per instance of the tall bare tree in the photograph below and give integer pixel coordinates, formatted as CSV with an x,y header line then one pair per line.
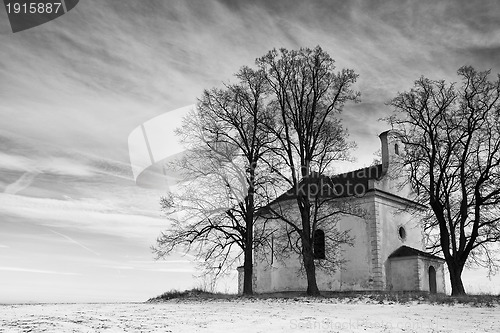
x,y
307,96
214,210
452,138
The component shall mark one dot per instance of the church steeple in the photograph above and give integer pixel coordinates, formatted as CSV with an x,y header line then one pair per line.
x,y
392,148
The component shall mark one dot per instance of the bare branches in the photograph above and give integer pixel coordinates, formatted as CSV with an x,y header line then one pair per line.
x,y
452,143
249,142
212,211
308,95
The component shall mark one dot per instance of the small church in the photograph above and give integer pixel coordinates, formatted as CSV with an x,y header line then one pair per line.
x,y
387,248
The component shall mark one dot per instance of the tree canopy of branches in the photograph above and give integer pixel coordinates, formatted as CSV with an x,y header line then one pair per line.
x,y
249,142
452,152
213,209
307,95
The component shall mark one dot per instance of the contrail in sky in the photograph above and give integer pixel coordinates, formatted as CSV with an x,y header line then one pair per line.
x,y
23,182
75,242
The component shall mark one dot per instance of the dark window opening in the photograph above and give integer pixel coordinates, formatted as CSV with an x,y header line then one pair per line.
x,y
432,280
402,233
396,149
319,244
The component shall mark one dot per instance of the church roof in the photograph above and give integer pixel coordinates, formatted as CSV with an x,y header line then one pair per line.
x,y
338,186
359,177
406,251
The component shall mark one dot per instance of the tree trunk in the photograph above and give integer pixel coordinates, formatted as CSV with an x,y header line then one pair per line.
x,y
307,247
248,262
308,258
248,272
457,286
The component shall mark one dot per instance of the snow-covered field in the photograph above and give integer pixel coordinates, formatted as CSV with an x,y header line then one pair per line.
x,y
250,315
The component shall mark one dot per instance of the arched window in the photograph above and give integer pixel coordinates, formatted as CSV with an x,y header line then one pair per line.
x,y
396,149
319,244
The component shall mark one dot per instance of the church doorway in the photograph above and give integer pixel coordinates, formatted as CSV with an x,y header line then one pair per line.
x,y
432,279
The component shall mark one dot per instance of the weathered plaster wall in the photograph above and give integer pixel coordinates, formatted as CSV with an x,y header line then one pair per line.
x,y
403,274
357,273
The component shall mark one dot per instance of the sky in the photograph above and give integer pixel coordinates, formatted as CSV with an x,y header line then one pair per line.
x,y
74,225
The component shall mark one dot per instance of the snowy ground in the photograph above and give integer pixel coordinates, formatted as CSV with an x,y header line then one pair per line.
x,y
277,315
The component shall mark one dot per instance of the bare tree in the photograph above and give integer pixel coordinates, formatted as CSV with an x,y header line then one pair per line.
x,y
214,209
307,95
452,139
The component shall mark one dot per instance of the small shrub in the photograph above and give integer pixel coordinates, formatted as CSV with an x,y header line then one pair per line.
x,y
195,293
177,294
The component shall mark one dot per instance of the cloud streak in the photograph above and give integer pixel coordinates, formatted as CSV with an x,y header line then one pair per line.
x,y
30,270
86,214
20,184
75,242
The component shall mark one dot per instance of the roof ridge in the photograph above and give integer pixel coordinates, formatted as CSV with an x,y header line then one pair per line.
x,y
357,170
315,174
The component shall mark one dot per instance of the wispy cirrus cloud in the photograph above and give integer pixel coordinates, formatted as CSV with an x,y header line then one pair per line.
x,y
31,270
31,168
91,215
81,79
186,269
51,160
